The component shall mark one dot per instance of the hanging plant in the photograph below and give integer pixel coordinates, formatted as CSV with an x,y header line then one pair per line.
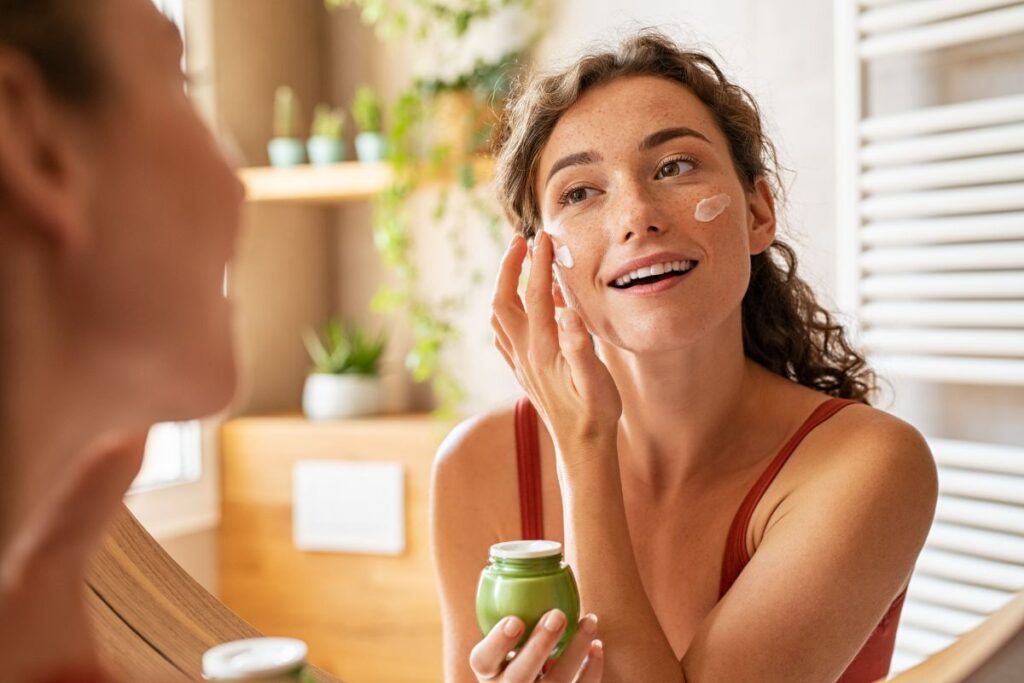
x,y
454,112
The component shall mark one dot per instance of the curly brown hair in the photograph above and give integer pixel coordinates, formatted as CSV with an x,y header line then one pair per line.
x,y
785,329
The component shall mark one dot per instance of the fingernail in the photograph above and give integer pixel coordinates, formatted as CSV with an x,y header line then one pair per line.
x,y
511,627
596,648
554,621
589,624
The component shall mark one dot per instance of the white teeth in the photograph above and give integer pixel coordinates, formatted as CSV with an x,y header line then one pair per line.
x,y
655,269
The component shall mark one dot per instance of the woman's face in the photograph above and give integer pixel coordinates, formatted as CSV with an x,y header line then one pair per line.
x,y
162,216
619,182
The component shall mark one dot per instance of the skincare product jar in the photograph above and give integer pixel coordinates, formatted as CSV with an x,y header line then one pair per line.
x,y
266,660
527,579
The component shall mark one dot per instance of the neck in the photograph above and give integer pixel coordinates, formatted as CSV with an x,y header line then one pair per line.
x,y
61,484
681,407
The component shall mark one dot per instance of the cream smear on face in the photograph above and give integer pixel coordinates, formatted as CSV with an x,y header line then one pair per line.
x,y
564,257
711,208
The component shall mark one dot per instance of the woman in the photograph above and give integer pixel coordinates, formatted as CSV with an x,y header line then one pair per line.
x,y
689,366
117,216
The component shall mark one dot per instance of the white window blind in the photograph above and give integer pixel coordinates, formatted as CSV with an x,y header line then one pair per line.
x,y
931,271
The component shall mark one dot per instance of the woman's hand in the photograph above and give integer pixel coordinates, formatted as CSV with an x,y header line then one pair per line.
x,y
555,362
582,660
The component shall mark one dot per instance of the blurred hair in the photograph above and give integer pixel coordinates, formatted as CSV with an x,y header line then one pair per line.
x,y
57,36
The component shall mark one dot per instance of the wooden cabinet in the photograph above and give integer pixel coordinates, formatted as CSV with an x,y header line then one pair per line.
x,y
366,618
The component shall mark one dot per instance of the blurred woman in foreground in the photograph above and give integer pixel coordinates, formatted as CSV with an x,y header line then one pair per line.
x,y
117,216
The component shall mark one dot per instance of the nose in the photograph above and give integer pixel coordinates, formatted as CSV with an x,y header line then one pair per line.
x,y
637,215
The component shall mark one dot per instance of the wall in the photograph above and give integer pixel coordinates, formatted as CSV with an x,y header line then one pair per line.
x,y
791,80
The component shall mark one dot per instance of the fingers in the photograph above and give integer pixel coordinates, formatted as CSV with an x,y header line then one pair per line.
x,y
540,303
573,658
593,668
488,656
506,304
502,342
589,374
529,663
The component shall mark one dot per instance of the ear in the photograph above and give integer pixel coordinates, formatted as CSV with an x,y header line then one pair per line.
x,y
761,216
41,170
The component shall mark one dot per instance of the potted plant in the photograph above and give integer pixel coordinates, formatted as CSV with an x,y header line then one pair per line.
x,y
367,114
345,381
286,148
325,145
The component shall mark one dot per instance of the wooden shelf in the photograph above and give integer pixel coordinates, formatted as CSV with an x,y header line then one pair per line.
x,y
341,182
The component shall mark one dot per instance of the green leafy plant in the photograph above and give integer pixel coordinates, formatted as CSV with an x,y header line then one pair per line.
x,y
341,349
414,165
328,122
286,113
366,110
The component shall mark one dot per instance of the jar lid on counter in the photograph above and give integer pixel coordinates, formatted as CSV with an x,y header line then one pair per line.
x,y
253,658
526,550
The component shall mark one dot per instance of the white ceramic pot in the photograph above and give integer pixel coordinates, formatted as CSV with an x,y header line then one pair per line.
x,y
325,397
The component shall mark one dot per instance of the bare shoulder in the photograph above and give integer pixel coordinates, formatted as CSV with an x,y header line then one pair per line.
x,y
867,440
474,470
872,459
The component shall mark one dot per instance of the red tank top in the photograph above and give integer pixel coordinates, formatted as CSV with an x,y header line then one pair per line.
x,y
874,658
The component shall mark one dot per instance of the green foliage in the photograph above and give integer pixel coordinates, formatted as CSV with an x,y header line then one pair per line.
x,y
342,349
286,113
412,162
366,110
328,122
391,18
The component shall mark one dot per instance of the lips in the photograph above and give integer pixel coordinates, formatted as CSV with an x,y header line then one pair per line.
x,y
651,268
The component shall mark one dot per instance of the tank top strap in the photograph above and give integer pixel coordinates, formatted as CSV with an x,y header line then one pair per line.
x,y
528,463
736,556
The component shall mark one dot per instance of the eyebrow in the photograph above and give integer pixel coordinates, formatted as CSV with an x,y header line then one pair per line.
x,y
577,159
666,134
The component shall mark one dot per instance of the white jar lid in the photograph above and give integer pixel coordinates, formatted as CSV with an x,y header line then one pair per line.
x,y
253,658
526,550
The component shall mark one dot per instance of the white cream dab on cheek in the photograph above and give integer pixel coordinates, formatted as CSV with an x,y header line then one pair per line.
x,y
711,208
564,257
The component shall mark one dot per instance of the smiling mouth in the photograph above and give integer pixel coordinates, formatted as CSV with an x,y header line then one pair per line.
x,y
651,274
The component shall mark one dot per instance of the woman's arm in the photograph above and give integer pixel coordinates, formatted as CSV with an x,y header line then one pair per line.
x,y
835,555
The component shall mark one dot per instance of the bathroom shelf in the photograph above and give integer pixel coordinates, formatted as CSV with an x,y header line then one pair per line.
x,y
341,182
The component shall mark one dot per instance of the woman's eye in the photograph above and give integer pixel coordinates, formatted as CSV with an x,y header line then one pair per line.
x,y
675,167
573,195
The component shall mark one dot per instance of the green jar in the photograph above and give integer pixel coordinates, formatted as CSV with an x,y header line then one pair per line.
x,y
527,579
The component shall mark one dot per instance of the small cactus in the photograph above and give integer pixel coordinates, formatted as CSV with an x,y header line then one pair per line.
x,y
366,110
328,122
286,113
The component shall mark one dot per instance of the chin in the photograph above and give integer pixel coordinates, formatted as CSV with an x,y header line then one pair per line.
x,y
200,383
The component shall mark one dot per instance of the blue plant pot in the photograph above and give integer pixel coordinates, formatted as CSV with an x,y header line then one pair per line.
x,y
323,150
284,152
370,146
